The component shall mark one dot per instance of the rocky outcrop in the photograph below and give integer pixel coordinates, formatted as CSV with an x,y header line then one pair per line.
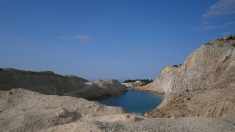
x,y
137,83
99,89
110,85
53,84
133,84
26,111
210,66
204,85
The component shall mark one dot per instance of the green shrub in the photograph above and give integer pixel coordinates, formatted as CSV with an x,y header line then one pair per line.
x,y
145,81
231,37
47,73
233,44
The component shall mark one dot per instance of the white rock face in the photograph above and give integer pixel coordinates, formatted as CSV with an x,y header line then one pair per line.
x,y
212,65
204,85
134,84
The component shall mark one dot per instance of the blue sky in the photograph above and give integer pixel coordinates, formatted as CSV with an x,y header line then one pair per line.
x,y
108,39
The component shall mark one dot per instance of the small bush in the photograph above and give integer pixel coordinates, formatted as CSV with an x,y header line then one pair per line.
x,y
47,72
145,81
233,44
176,66
231,37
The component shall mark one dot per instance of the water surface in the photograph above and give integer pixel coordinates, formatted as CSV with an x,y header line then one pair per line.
x,y
134,101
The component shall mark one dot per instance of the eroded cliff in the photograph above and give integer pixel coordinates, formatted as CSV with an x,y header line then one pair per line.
x,y
204,85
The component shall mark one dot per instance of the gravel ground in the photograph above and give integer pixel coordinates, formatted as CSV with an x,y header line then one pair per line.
x,y
26,111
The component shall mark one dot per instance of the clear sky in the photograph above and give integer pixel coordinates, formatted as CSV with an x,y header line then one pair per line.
x,y
108,39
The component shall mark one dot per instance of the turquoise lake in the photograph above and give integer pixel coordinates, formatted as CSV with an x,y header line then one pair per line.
x,y
134,101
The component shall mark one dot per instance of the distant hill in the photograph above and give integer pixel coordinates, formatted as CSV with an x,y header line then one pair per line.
x,y
48,82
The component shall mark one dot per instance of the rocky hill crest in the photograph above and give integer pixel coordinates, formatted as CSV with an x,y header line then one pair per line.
x,y
204,85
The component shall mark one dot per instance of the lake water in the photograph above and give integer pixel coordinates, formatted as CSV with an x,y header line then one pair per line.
x,y
134,101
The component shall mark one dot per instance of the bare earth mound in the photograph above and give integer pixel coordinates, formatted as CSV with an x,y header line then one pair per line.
x,y
27,111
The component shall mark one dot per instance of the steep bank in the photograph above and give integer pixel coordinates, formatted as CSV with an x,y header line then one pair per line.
x,y
204,85
53,84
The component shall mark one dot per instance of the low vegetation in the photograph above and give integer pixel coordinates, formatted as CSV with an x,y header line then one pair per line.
x,y
144,81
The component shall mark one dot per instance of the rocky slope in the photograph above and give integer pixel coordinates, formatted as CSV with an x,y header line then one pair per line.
x,y
99,89
204,85
53,84
26,111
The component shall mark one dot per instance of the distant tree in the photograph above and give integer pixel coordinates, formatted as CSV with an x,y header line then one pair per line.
x,y
145,81
129,80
